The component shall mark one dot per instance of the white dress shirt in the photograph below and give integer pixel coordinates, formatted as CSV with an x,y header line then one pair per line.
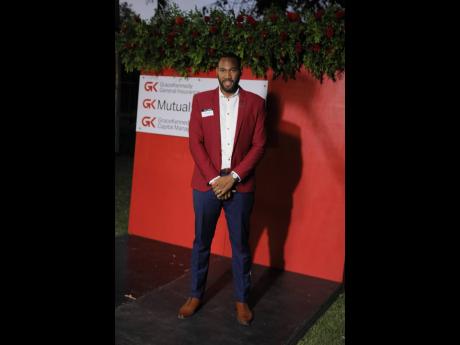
x,y
228,118
228,108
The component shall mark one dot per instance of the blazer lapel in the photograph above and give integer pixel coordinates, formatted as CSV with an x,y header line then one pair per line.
x,y
216,108
241,114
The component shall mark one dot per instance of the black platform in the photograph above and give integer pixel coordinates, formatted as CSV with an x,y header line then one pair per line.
x,y
153,281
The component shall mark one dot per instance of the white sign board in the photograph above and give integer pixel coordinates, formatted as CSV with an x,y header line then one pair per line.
x,y
165,103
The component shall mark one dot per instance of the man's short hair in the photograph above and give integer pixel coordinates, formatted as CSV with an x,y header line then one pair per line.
x,y
232,56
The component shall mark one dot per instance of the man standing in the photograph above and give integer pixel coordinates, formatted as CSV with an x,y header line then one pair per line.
x,y
227,139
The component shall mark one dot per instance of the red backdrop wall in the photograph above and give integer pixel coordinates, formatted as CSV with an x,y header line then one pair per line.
x,y
298,222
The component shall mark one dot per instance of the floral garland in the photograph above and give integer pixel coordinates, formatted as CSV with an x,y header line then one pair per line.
x,y
191,42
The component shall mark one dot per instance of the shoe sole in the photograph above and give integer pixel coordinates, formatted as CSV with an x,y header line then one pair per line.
x,y
181,316
244,323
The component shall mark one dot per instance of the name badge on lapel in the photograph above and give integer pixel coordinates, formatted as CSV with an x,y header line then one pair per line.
x,y
207,112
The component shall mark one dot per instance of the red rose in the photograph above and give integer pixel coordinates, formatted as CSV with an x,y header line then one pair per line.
x,y
298,47
213,29
283,36
273,18
170,38
319,14
264,34
240,18
212,51
239,25
250,39
293,17
251,20
195,34
329,32
207,19
316,47
179,20
340,14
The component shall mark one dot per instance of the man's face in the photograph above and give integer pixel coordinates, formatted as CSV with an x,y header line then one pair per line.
x,y
228,74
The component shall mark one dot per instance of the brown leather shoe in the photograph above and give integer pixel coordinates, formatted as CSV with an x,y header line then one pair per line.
x,y
243,314
189,308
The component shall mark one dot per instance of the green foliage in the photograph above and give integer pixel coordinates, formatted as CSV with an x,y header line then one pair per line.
x,y
191,42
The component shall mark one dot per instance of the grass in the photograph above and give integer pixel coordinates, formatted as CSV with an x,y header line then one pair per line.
x,y
329,329
123,174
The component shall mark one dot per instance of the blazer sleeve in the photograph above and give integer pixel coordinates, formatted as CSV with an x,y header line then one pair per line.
x,y
259,140
196,144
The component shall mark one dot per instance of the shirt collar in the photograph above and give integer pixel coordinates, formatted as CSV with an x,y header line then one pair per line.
x,y
237,92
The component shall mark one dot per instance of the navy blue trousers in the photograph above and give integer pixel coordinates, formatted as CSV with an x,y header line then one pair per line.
x,y
237,212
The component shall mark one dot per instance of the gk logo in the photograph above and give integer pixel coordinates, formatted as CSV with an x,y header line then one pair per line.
x,y
148,121
149,103
150,86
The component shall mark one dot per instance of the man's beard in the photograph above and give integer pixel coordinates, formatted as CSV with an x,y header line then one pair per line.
x,y
232,88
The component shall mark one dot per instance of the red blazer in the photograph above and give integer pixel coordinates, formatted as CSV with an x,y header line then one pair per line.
x,y
204,139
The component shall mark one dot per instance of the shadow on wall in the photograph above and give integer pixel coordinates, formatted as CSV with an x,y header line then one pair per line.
x,y
303,93
280,170
277,176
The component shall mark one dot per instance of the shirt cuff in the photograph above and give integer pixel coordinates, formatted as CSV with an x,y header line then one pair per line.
x,y
215,178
